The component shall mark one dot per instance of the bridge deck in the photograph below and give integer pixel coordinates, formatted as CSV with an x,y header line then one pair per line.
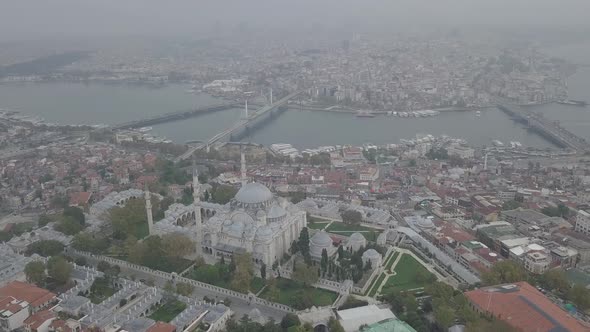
x,y
548,127
173,116
237,126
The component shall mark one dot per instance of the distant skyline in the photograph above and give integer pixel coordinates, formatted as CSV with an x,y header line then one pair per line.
x,y
58,19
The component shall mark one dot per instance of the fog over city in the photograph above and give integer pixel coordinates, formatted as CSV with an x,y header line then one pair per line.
x,y
295,165
63,18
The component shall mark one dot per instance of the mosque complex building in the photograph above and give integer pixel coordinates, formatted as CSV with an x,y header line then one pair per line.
x,y
255,221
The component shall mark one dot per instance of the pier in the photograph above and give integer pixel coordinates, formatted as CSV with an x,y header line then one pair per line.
x,y
547,128
244,125
173,116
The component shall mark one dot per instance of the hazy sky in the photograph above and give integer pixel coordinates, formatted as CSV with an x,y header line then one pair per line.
x,y
34,19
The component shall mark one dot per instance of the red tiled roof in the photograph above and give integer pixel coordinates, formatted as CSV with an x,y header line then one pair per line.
x,y
26,292
6,304
35,320
523,307
80,198
162,327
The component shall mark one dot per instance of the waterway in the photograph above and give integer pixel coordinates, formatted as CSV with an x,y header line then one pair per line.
x,y
572,118
77,103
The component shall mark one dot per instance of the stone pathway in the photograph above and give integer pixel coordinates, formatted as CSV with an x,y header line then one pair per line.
x,y
391,271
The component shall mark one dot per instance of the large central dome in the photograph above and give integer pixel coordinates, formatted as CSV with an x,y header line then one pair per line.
x,y
253,193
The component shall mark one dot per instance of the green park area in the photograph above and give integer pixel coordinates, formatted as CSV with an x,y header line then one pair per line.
x,y
220,276
375,285
409,274
317,223
298,296
100,290
341,228
168,311
390,260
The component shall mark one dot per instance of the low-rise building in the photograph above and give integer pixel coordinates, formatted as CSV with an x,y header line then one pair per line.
x,y
369,173
523,307
40,321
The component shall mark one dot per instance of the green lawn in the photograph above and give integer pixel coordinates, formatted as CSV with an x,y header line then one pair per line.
x,y
340,228
375,286
256,284
410,274
219,275
168,311
317,223
296,296
391,260
141,231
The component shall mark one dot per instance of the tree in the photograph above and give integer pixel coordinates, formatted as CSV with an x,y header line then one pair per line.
x,y
324,261
506,271
580,295
437,154
223,194
45,248
510,205
290,320
59,269
555,279
303,244
44,220
273,292
169,286
68,225
560,211
351,217
75,213
177,245
484,325
102,266
81,261
263,271
243,274
334,325
35,272
184,288
294,247
126,220
86,242
444,316
306,274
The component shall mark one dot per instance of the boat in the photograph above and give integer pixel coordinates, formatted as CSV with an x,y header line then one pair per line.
x,y
365,114
572,102
497,143
144,129
477,113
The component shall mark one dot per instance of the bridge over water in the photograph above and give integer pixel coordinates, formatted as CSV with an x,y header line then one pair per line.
x,y
173,116
240,126
547,128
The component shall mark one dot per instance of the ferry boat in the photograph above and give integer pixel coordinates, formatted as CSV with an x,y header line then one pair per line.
x,y
365,114
573,102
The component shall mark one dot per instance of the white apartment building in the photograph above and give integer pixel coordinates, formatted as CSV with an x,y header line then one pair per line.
x,y
583,222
